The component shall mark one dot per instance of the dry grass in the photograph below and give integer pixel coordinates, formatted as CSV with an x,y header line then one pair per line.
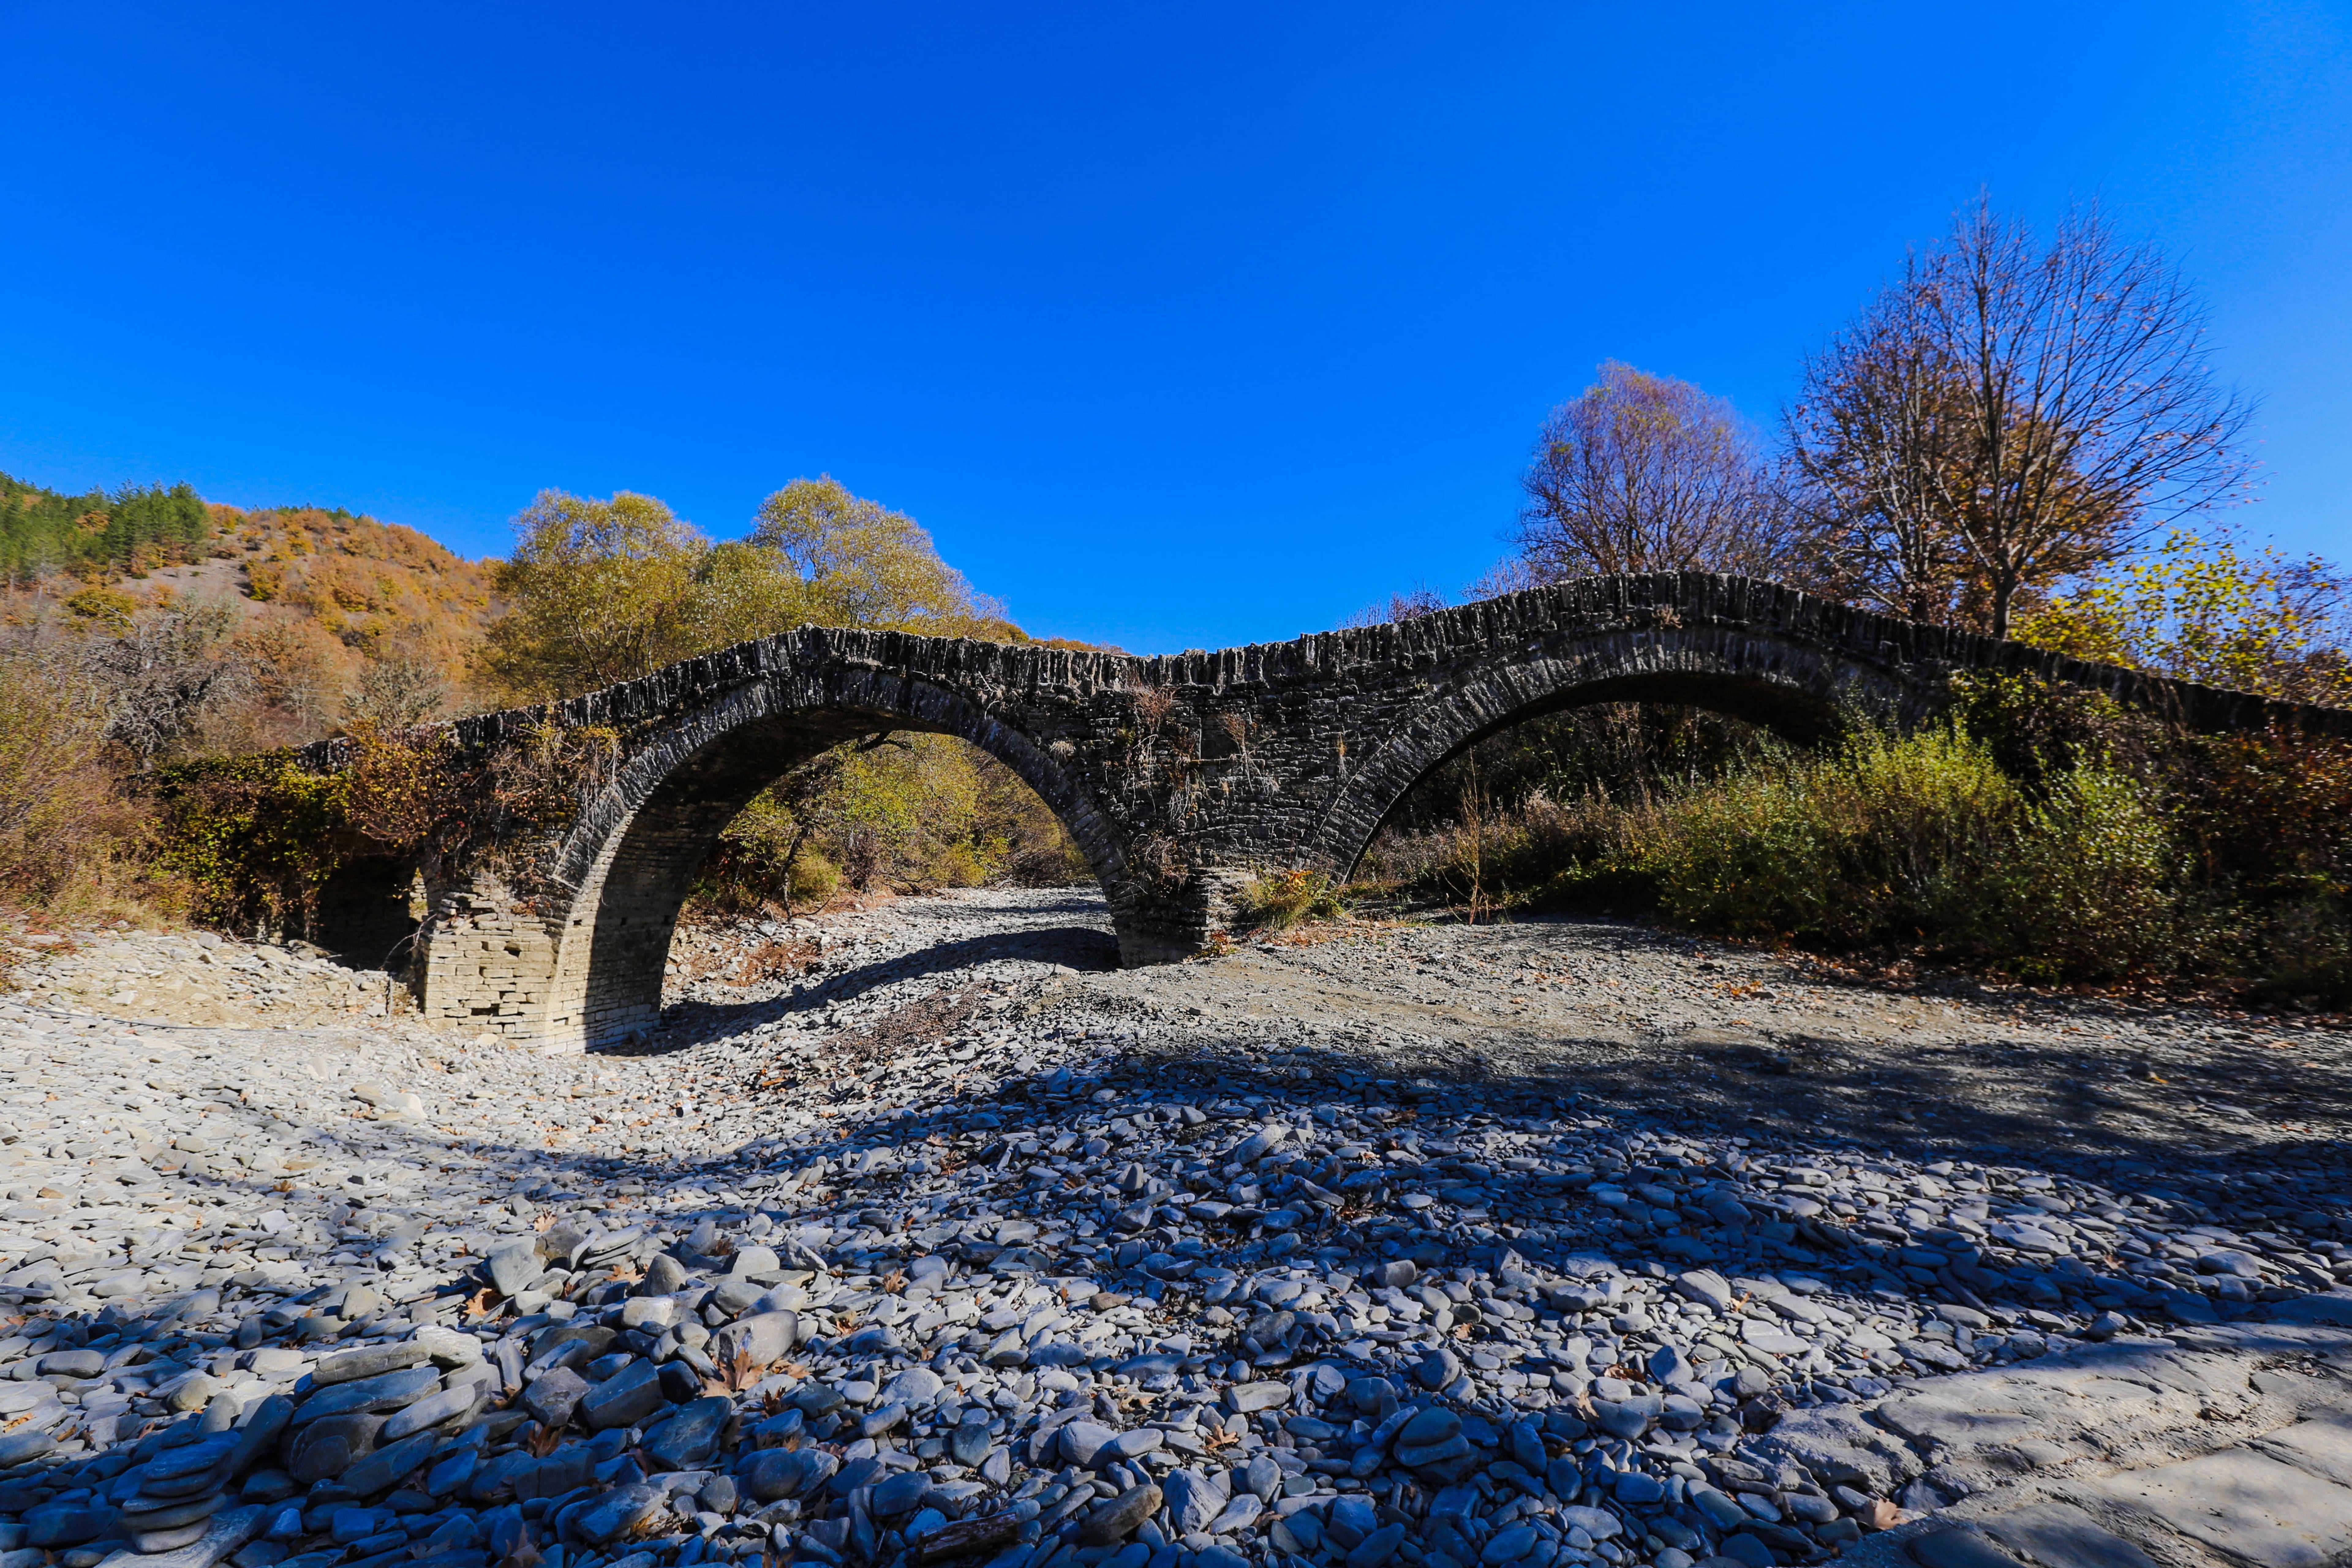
x,y
773,960
1281,901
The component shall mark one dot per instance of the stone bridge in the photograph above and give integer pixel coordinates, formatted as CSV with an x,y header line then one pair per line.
x,y
1180,777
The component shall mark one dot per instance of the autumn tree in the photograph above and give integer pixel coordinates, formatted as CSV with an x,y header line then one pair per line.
x,y
2008,415
1864,444
1645,473
395,692
863,565
2252,619
609,590
605,591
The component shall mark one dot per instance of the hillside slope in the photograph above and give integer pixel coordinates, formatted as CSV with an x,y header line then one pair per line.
x,y
323,609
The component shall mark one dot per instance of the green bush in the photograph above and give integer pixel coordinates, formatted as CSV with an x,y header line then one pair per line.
x,y
1885,840
1925,843
2093,889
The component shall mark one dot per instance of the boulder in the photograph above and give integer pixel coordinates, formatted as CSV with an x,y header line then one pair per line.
x,y
367,1395
553,1396
779,1473
326,1447
390,1465
689,1439
371,1361
1119,1517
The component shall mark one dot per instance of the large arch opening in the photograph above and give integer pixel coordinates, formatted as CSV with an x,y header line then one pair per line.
x,y
640,853
1578,729
896,812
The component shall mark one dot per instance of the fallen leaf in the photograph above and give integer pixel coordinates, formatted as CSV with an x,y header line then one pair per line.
x,y
1881,1514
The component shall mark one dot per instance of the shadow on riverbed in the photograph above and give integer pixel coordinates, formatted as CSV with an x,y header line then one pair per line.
x,y
1082,948
2150,1102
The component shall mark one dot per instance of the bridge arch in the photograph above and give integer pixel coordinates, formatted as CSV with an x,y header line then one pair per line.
x,y
622,871
1799,690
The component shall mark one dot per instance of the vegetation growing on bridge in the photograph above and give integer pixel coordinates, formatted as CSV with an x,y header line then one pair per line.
x,y
254,839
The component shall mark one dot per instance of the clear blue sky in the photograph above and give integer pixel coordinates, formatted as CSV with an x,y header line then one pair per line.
x,y
1177,326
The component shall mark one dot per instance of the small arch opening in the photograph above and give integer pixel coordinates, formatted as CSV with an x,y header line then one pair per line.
x,y
368,911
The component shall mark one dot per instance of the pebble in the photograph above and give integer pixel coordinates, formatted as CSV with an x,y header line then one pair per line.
x,y
882,1264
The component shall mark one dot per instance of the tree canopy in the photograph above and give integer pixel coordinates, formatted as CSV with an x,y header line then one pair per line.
x,y
138,527
605,591
1645,473
2009,413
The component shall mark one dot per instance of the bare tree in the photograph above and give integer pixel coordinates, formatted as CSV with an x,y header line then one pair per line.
x,y
395,693
2038,411
1645,473
1874,424
164,673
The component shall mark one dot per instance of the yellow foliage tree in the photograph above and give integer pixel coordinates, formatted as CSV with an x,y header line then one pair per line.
x,y
2205,610
605,591
866,565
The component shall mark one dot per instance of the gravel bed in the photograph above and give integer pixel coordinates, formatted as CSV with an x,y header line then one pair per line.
x,y
922,1235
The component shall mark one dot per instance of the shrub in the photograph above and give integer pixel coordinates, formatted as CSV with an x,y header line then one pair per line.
x,y
1886,840
962,864
1284,898
1920,843
72,838
2267,821
256,837
2091,890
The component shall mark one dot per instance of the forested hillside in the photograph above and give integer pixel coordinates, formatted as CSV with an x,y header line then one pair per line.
x,y
134,529
143,633
309,618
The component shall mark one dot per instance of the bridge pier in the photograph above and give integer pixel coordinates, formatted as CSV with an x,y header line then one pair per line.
x,y
1168,928
485,963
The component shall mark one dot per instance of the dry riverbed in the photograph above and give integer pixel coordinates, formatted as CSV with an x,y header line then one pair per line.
x,y
925,1234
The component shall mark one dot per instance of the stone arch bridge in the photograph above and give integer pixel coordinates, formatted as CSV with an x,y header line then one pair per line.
x,y
1180,777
